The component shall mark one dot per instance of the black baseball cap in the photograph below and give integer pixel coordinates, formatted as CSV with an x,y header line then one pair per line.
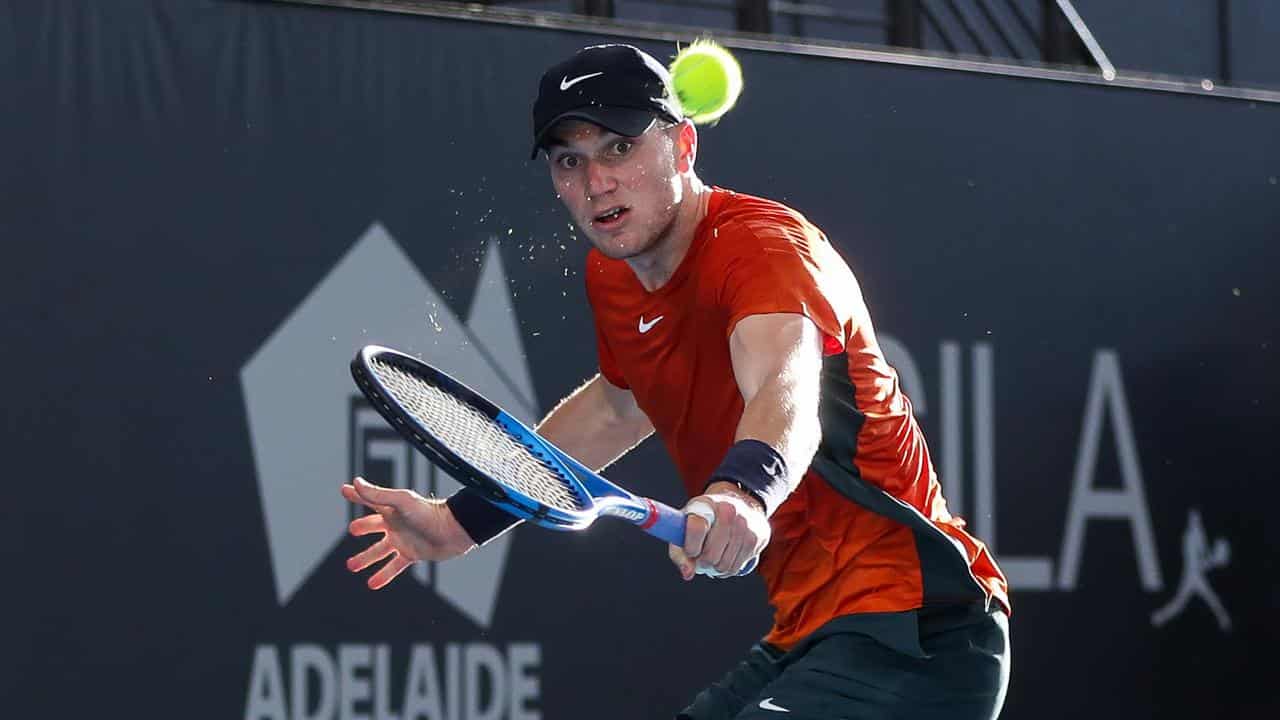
x,y
618,87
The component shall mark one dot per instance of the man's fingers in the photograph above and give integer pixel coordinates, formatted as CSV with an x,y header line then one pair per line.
x,y
682,561
695,533
748,548
377,494
748,552
388,572
349,492
723,531
367,524
730,560
722,535
370,555
713,550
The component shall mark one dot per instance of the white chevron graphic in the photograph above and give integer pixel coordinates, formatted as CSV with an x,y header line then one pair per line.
x,y
298,398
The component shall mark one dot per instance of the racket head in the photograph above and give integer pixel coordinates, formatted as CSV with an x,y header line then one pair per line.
x,y
472,439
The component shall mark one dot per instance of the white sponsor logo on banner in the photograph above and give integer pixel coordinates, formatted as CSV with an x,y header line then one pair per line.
x,y
311,430
1106,416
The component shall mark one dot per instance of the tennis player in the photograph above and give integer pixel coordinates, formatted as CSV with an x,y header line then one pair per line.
x,y
730,326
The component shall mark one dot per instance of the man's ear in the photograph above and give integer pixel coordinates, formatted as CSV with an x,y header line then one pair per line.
x,y
686,146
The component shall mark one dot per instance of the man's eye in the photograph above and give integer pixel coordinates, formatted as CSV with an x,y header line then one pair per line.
x,y
622,147
568,162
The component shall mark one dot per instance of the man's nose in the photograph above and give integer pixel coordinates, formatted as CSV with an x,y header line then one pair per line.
x,y
599,180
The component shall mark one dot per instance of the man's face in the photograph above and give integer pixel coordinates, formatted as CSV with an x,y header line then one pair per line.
x,y
622,192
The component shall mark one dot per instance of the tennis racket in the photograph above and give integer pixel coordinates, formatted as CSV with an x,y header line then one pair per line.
x,y
483,447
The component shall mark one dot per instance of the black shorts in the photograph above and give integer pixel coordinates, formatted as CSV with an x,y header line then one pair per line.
x,y
852,670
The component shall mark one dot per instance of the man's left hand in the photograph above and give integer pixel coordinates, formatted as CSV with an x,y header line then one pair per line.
x,y
740,531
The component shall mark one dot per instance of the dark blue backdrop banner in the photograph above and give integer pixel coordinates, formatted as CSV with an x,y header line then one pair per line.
x,y
206,207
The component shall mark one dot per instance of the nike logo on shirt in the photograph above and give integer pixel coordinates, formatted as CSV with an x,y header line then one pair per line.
x,y
647,326
767,704
566,83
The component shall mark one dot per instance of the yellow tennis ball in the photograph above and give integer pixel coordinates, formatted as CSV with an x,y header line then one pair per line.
x,y
707,80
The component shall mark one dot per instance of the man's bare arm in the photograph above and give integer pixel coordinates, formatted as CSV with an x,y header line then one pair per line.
x,y
597,423
777,361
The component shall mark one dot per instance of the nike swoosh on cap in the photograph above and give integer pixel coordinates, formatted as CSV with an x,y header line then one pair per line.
x,y
566,83
767,704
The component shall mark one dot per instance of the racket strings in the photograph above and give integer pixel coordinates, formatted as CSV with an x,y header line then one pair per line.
x,y
475,438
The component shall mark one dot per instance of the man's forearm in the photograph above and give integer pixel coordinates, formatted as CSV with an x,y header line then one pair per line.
x,y
778,417
777,362
775,441
587,426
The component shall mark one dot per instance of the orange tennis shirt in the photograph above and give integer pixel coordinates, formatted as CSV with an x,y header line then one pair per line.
x,y
867,530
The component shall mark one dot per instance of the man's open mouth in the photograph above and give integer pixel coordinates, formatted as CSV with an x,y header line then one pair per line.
x,y
612,217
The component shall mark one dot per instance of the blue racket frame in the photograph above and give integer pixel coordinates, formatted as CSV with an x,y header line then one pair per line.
x,y
597,495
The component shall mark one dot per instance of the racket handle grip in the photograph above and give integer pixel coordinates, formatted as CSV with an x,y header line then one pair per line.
x,y
669,525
